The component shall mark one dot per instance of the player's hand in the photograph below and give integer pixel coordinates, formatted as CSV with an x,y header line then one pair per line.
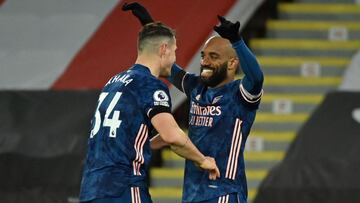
x,y
209,164
139,11
228,30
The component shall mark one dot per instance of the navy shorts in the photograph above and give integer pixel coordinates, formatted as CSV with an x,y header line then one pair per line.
x,y
131,195
229,198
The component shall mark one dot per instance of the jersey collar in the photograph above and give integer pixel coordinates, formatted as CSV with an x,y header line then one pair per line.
x,y
141,68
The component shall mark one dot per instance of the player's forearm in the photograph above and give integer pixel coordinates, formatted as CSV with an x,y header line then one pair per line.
x,y
172,134
254,77
186,149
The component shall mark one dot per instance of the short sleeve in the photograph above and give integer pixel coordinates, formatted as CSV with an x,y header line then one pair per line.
x,y
156,99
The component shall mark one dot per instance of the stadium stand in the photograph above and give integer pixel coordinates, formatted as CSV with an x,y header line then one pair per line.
x,y
321,165
351,77
49,45
320,36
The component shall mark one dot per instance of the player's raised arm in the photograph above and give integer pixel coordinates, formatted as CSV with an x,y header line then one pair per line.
x,y
172,134
253,79
139,12
178,77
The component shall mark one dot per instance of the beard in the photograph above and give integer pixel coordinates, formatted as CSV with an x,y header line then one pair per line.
x,y
219,74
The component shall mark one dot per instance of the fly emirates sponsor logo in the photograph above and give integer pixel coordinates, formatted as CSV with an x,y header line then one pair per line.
x,y
203,115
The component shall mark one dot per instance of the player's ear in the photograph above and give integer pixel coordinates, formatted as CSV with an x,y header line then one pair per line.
x,y
233,63
162,49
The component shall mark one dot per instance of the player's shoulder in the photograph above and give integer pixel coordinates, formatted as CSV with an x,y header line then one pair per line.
x,y
151,82
148,84
233,85
236,82
155,81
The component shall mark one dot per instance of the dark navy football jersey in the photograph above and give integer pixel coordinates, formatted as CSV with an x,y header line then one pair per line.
x,y
220,120
219,123
118,148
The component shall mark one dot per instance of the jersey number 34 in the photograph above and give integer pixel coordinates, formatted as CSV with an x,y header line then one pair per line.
x,y
114,122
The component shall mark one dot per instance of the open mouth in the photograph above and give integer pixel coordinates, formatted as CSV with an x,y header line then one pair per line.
x,y
206,72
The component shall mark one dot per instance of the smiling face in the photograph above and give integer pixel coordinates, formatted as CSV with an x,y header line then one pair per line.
x,y
218,62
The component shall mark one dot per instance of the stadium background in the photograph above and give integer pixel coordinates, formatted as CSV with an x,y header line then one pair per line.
x,y
55,55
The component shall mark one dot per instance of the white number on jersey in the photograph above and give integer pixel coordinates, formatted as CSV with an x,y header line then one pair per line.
x,y
114,122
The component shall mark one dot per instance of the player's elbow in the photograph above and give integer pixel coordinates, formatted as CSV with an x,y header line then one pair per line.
x,y
169,139
173,137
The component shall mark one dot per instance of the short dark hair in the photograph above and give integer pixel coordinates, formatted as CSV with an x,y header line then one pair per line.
x,y
152,31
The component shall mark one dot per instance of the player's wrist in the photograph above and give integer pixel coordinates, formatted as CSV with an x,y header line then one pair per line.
x,y
202,161
235,38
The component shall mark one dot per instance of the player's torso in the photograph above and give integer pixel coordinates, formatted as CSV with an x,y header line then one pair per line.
x,y
219,124
119,124
215,114
119,148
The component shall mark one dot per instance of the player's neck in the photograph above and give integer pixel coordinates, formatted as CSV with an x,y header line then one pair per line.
x,y
149,62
